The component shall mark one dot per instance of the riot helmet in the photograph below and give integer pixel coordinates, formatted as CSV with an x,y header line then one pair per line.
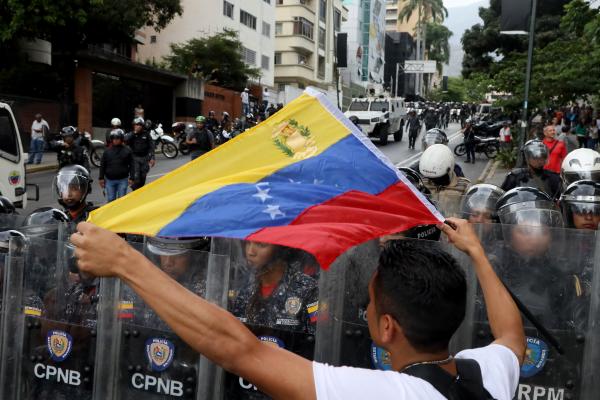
x,y
479,203
434,136
437,164
415,178
200,119
115,122
68,132
189,129
536,154
174,256
580,204
6,206
580,164
138,121
117,134
528,216
71,186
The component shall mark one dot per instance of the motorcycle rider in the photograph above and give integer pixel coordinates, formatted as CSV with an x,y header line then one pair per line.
x,y
430,119
115,123
200,140
436,136
580,164
68,151
211,123
580,204
225,121
414,127
142,146
71,185
469,141
534,175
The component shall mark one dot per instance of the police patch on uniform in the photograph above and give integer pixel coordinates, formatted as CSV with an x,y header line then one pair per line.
x,y
536,356
159,353
59,345
273,341
292,305
381,358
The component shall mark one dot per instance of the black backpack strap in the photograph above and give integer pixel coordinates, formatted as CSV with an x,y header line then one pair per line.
x,y
468,385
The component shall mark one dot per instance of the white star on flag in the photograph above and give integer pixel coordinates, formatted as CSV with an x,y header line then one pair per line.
x,y
318,182
263,194
273,211
293,181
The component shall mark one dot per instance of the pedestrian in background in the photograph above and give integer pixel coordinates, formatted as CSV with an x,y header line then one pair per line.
x,y
556,150
116,167
245,101
505,136
568,137
469,142
581,133
39,129
592,136
138,111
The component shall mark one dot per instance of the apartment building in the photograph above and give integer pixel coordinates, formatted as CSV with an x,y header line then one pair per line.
x,y
392,23
305,32
253,19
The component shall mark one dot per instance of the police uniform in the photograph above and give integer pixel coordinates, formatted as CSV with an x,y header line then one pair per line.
x,y
142,147
83,214
286,318
548,181
72,155
449,197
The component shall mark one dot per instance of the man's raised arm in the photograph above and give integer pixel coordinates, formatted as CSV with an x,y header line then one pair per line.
x,y
207,328
503,314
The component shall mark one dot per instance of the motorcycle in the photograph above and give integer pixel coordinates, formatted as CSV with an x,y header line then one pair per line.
x,y
95,148
167,144
178,129
489,128
488,146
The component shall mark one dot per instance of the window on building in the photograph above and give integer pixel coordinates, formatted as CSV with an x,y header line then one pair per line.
x,y
303,27
281,87
301,85
302,59
337,20
393,11
266,29
322,35
265,62
277,59
323,10
278,28
249,56
227,9
280,2
153,39
267,1
248,19
321,68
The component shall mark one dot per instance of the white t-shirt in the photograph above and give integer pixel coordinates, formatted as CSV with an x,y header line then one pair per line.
x,y
244,97
38,125
499,369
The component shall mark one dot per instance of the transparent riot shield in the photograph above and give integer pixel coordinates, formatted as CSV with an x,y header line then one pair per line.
x,y
550,271
49,333
448,202
145,358
273,290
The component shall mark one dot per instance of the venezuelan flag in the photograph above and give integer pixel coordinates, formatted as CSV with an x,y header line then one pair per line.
x,y
304,178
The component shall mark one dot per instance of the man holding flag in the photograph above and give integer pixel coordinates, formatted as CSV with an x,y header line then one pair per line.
x,y
307,179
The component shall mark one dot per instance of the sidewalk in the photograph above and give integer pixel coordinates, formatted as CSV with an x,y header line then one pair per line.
x,y
494,175
48,163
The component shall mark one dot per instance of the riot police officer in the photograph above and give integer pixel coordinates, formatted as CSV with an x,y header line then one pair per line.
x,y
479,203
580,164
68,151
534,175
142,147
71,185
580,205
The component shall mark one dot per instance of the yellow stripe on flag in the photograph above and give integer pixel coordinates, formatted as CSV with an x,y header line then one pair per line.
x,y
248,158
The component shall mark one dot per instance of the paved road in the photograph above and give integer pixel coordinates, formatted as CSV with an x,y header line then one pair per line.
x,y
397,152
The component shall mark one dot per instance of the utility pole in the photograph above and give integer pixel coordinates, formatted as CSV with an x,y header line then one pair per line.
x,y
525,116
397,68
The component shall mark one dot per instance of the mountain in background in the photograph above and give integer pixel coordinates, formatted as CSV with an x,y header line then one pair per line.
x,y
459,20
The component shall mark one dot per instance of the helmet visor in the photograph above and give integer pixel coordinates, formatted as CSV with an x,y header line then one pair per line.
x,y
536,152
531,217
71,189
574,176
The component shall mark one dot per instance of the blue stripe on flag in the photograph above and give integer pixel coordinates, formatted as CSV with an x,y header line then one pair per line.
x,y
241,209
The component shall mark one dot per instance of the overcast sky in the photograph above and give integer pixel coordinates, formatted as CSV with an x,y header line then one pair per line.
x,y
457,3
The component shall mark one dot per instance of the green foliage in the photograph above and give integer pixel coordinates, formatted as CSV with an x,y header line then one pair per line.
x,y
71,23
456,91
217,59
438,48
507,157
427,10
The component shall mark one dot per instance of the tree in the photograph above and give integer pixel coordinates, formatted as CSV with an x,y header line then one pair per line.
x,y
216,59
438,47
456,91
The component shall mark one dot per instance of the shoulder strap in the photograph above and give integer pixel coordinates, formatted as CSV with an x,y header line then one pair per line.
x,y
437,377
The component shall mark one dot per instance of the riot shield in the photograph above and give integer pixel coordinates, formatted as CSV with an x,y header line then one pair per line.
x,y
273,290
550,271
48,336
147,360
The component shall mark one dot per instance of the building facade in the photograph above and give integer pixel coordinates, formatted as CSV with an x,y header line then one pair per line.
x,y
305,34
254,20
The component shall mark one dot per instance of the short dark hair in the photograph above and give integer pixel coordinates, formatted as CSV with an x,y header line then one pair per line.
x,y
424,289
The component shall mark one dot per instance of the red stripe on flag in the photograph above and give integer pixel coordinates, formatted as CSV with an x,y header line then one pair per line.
x,y
327,230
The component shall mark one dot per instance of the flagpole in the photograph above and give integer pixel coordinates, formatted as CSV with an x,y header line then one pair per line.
x,y
524,117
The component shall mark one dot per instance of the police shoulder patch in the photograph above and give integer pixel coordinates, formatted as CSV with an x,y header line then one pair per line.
x,y
160,353
59,345
272,340
536,356
380,358
292,305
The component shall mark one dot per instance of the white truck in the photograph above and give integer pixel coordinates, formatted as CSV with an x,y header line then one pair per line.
x,y
379,117
12,161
